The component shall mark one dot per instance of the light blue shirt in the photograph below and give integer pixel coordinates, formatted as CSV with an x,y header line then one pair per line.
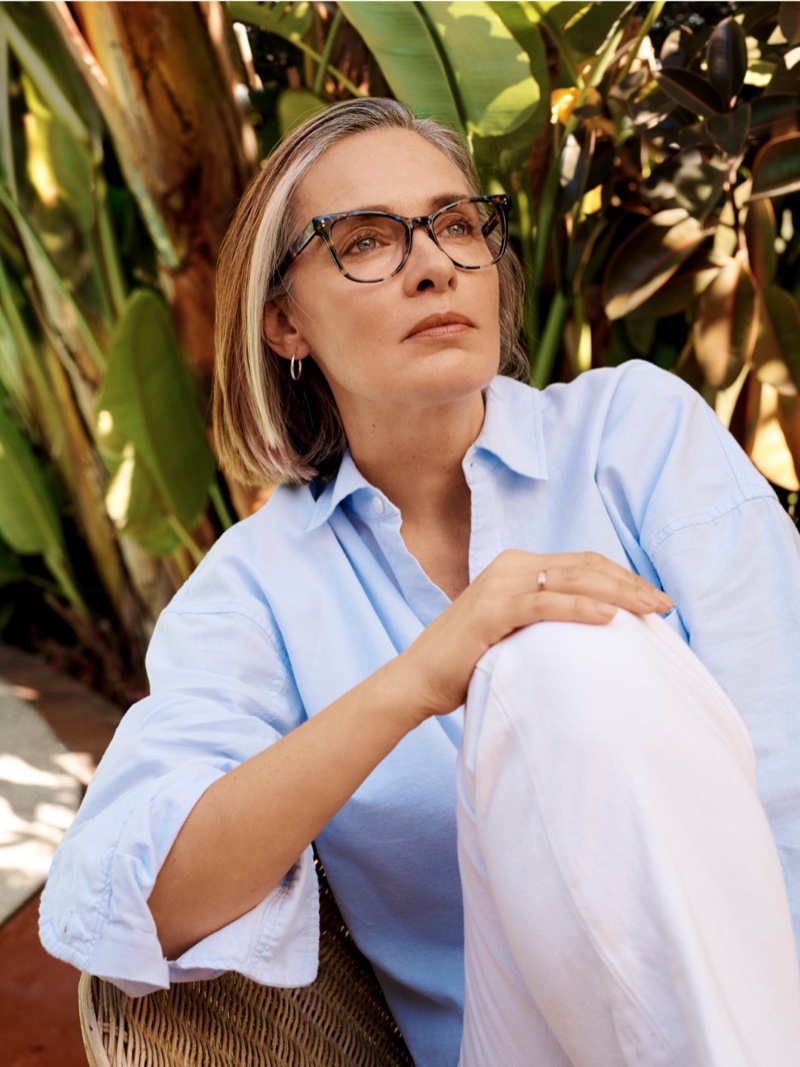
x,y
299,603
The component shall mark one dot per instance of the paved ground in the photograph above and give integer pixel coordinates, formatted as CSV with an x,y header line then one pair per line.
x,y
52,733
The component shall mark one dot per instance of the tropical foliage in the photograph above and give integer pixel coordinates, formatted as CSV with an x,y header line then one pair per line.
x,y
655,172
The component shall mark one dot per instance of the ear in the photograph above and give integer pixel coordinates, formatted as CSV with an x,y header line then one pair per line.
x,y
281,332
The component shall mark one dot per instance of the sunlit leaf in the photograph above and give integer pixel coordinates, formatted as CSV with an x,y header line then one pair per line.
x,y
726,56
760,233
777,354
690,91
148,397
648,258
729,129
136,508
60,167
678,294
776,169
726,325
788,412
425,50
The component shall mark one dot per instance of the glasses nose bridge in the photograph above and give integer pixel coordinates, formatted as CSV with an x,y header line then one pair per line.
x,y
424,223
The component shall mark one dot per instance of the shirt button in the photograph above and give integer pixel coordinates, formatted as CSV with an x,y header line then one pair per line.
x,y
378,505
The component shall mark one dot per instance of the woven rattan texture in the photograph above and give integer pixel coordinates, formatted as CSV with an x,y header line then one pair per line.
x,y
341,1020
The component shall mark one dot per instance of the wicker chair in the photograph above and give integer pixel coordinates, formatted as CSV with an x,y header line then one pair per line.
x,y
341,1020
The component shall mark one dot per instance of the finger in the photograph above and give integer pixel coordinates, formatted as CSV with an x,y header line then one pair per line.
x,y
611,584
564,607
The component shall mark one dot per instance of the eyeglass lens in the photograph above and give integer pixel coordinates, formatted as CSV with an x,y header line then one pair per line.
x,y
370,246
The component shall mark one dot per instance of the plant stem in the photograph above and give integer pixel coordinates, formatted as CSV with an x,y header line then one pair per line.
x,y
109,247
551,339
330,41
221,509
186,539
342,78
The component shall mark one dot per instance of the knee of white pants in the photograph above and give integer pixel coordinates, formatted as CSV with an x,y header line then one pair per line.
x,y
619,692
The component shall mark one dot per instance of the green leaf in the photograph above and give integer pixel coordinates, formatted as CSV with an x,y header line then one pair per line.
x,y
726,56
648,258
761,234
690,91
295,106
726,325
29,520
776,168
729,130
457,62
148,397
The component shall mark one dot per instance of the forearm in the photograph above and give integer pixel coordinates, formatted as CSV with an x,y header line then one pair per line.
x,y
248,828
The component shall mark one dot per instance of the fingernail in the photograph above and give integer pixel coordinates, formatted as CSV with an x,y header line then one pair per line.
x,y
654,598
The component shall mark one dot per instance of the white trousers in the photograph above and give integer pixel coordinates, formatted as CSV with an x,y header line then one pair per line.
x,y
623,896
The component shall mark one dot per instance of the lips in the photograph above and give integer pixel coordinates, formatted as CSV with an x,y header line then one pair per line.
x,y
438,325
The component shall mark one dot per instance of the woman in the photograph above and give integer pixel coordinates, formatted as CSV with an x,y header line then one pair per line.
x,y
622,896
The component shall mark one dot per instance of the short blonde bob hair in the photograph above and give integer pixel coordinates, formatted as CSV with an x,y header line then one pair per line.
x,y
267,427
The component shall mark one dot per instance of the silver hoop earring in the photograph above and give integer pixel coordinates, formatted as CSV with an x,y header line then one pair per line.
x,y
296,368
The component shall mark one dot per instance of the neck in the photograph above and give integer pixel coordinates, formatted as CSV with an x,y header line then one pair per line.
x,y
415,457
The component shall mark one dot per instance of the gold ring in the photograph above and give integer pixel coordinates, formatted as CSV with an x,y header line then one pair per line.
x,y
541,581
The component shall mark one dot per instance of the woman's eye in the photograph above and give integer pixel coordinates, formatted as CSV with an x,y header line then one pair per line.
x,y
458,227
361,244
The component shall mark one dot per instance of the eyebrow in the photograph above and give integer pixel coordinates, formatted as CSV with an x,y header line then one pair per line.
x,y
434,203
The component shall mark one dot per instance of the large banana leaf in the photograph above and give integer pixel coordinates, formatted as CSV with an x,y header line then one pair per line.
x,y
457,62
29,519
149,400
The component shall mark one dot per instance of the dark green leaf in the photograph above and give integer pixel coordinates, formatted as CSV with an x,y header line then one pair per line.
x,y
726,325
11,570
760,233
729,130
290,21
789,22
774,113
690,91
760,20
675,49
149,398
589,30
726,57
648,258
776,169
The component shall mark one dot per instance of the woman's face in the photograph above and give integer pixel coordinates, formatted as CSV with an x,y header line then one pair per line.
x,y
426,336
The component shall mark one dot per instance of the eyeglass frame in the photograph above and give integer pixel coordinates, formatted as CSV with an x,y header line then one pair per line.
x,y
322,225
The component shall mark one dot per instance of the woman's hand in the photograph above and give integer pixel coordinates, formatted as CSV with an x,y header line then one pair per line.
x,y
516,589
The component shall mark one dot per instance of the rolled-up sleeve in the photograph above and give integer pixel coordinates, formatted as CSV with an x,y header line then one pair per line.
x,y
221,692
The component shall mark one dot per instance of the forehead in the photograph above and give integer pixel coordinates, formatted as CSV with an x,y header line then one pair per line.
x,y
397,170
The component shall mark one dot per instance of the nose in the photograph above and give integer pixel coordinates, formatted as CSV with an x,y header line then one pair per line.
x,y
427,266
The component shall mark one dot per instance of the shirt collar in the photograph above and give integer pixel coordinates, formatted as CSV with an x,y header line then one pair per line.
x,y
512,428
511,431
